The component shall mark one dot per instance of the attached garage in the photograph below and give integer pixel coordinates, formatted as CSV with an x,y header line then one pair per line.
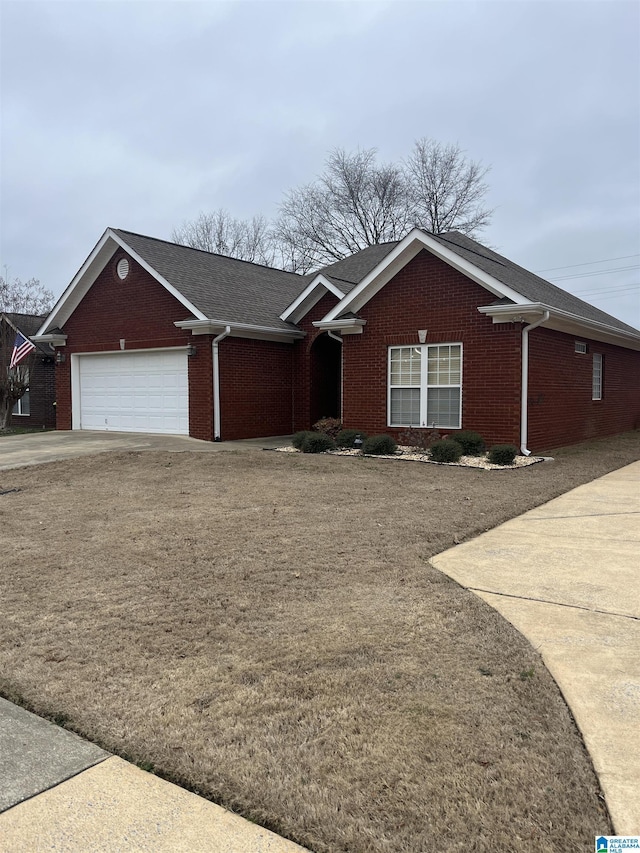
x,y
143,391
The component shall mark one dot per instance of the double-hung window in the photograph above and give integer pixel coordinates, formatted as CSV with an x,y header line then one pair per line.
x,y
22,406
425,385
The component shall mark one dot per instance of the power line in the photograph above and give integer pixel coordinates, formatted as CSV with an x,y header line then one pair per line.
x,y
601,272
612,290
589,263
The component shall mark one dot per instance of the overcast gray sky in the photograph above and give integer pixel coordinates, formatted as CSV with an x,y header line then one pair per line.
x,y
139,115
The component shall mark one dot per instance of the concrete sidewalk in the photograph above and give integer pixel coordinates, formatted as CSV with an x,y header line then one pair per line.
x,y
59,792
567,575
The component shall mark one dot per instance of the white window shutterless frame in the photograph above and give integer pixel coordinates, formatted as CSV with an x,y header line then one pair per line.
x,y
425,386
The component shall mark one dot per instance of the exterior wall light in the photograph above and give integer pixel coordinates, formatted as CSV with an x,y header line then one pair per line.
x,y
61,357
191,350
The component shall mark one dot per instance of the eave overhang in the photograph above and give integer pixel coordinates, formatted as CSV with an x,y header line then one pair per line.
x,y
240,330
345,326
309,297
56,339
561,321
102,253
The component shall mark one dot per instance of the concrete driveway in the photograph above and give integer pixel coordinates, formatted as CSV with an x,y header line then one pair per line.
x,y
566,576
34,448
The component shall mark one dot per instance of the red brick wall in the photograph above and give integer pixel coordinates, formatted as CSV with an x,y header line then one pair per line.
x,y
561,410
428,294
256,388
142,312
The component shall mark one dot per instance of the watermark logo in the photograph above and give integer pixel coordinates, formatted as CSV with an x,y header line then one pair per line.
x,y
617,843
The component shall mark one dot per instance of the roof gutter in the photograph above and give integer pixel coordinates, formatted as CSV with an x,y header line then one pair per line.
x,y
524,384
216,383
516,313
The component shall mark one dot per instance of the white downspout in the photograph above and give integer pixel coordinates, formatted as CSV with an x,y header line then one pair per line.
x,y
340,341
216,383
524,384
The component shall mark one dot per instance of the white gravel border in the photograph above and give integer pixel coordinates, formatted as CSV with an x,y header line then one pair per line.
x,y
410,454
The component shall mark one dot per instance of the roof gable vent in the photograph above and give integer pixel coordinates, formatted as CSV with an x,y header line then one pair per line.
x,y
123,268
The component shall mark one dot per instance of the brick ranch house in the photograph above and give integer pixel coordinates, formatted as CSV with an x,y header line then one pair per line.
x,y
35,409
155,337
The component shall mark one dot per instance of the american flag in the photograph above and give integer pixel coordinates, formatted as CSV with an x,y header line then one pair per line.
x,y
21,348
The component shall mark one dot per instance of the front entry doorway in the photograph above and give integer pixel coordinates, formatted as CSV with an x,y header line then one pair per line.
x,y
326,379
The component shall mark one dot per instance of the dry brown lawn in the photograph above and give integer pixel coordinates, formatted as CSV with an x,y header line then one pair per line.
x,y
266,629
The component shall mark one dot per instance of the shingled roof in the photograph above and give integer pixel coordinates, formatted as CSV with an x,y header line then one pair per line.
x,y
350,271
526,283
229,289
28,324
222,288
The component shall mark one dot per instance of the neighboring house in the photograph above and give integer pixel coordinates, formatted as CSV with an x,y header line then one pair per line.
x,y
36,408
151,336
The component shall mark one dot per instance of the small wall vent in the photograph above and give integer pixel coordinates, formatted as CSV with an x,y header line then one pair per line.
x,y
123,268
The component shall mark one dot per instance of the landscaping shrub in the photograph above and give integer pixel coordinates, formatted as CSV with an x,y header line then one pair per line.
x,y
379,445
446,450
300,437
346,437
317,442
328,426
471,442
420,438
502,454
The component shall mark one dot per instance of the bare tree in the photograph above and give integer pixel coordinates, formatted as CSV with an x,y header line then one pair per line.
x,y
17,297
222,234
24,297
356,202
353,204
445,190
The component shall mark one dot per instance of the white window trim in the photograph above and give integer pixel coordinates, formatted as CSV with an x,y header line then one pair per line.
x,y
597,376
424,386
17,412
18,405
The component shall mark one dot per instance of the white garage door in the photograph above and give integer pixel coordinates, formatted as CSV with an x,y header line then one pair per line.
x,y
135,392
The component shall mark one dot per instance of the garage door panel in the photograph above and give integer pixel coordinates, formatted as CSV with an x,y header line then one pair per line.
x,y
135,392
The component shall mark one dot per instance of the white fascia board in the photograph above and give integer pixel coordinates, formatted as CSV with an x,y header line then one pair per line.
x,y
163,281
309,297
512,313
352,326
80,284
89,272
54,340
240,330
563,321
405,251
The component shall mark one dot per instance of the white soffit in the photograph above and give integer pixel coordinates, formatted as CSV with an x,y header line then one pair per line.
x,y
561,321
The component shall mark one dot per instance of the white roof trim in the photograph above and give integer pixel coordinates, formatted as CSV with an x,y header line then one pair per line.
x,y
87,274
344,323
513,313
306,299
240,330
406,250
